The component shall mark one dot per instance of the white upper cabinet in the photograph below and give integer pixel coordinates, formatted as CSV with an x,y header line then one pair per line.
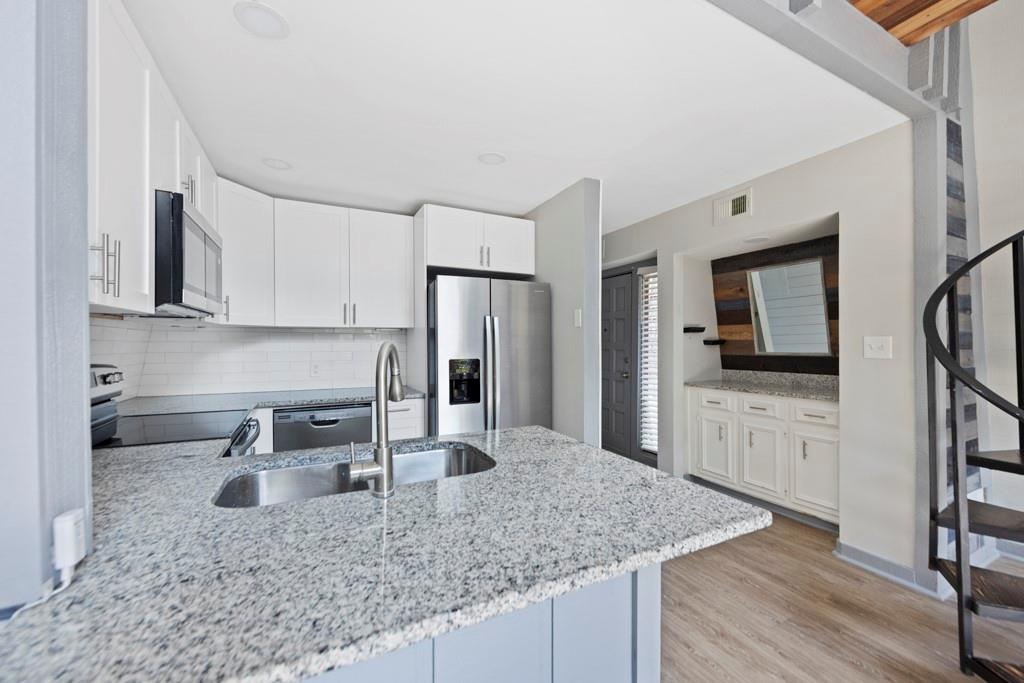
x,y
455,237
208,191
163,139
471,240
381,269
311,260
245,221
189,154
120,200
509,244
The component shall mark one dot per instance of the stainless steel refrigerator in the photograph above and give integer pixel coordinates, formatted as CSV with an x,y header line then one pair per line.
x,y
489,354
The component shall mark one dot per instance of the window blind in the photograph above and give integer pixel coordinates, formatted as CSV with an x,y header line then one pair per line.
x,y
647,350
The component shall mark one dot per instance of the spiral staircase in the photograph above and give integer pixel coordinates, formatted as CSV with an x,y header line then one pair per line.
x,y
980,592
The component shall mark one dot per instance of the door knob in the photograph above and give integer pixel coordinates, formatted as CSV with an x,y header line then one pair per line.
x,y
625,375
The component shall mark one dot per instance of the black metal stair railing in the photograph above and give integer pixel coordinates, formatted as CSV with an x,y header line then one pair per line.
x,y
980,592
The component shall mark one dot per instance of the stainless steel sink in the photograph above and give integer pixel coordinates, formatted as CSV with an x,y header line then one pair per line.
x,y
267,487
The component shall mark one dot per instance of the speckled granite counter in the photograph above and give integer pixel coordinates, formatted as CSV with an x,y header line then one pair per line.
x,y
179,589
157,405
789,385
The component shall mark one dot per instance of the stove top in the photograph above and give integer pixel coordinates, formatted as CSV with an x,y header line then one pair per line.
x,y
142,430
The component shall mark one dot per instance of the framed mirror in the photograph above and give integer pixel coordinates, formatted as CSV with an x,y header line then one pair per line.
x,y
789,309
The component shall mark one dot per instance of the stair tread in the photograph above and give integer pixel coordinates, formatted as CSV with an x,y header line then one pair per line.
x,y
991,670
997,595
1006,461
988,520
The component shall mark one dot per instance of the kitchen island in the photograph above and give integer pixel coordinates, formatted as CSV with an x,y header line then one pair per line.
x,y
490,569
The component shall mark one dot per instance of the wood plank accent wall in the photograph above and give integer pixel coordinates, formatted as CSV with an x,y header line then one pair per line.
x,y
732,307
911,21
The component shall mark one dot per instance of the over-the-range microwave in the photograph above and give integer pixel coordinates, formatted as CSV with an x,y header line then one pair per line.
x,y
188,268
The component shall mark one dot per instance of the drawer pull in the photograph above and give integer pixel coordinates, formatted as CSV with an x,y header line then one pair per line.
x,y
805,450
399,410
714,403
819,417
758,408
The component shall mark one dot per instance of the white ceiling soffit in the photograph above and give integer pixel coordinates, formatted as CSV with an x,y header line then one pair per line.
x,y
731,245
388,104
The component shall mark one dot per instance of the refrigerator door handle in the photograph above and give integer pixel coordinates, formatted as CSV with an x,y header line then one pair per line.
x,y
496,382
488,369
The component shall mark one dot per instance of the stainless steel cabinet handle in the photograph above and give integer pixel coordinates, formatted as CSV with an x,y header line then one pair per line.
x,y
117,268
227,308
104,249
805,450
488,257
344,314
353,314
399,410
750,436
720,432
757,408
819,417
481,254
714,403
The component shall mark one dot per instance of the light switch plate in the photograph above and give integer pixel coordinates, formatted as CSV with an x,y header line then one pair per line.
x,y
577,317
878,348
315,369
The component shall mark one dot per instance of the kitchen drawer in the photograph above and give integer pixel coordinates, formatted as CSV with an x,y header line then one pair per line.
x,y
718,401
817,414
763,407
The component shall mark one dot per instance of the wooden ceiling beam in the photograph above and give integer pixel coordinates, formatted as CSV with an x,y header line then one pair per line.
x,y
911,21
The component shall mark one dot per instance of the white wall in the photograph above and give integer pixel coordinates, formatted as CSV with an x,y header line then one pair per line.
x,y
568,257
997,56
869,183
696,301
161,357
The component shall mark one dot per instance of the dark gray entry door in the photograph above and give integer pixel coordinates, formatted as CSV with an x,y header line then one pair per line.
x,y
617,363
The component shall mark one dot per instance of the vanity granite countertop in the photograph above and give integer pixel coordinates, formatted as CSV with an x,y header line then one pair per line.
x,y
178,589
809,391
200,403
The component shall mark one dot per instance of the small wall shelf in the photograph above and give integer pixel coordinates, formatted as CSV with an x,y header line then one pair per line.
x,y
691,329
713,342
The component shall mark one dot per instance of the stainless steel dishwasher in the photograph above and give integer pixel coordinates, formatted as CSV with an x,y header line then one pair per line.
x,y
320,426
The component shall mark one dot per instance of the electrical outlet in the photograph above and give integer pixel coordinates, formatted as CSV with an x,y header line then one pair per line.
x,y
316,369
69,538
878,348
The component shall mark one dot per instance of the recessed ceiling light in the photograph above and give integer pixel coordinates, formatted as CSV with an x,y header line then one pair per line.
x,y
492,158
755,239
277,164
261,20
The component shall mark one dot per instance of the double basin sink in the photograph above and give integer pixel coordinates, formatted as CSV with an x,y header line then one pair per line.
x,y
286,484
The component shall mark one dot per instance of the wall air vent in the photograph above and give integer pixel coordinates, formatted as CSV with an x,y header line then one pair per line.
x,y
734,206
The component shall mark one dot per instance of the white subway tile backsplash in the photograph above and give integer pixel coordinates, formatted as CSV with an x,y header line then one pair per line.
x,y
165,357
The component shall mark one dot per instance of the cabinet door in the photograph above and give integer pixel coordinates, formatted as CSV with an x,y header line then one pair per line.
x,y
509,245
815,461
381,269
717,447
763,458
310,264
163,138
455,238
246,223
208,190
189,153
120,216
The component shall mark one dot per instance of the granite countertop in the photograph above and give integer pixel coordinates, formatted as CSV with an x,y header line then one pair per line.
x,y
812,392
199,403
179,589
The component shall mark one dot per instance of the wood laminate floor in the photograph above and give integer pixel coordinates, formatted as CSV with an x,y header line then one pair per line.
x,y
777,605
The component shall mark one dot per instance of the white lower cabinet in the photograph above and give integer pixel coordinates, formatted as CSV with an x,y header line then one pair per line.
x,y
785,451
717,445
815,458
406,419
763,457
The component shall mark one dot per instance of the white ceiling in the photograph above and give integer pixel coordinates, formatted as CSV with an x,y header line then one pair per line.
x,y
387,104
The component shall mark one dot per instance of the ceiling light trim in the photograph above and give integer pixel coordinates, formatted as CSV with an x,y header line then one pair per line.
x,y
261,20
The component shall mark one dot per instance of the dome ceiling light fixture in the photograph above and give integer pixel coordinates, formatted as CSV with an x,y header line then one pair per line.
x,y
277,164
492,159
261,20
